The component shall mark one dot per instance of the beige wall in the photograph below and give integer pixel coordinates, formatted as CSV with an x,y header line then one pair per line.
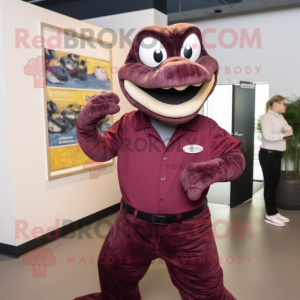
x,y
6,193
25,193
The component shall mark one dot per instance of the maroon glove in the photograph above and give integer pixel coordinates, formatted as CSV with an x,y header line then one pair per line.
x,y
197,177
89,138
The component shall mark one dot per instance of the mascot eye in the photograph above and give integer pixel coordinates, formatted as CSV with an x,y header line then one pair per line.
x,y
152,52
158,55
191,48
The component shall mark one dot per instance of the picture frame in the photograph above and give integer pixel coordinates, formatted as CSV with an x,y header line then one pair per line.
x,y
69,159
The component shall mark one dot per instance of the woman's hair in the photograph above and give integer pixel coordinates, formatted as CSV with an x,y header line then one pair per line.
x,y
275,98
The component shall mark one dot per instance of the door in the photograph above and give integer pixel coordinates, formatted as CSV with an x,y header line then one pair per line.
x,y
243,129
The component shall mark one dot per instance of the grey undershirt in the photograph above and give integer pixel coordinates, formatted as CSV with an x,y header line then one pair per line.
x,y
164,130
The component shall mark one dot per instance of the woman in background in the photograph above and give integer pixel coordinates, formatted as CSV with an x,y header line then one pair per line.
x,y
274,128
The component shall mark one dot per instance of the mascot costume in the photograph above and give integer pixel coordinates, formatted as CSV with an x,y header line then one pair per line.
x,y
168,156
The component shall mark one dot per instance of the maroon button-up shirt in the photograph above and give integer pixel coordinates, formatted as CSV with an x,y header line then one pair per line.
x,y
149,172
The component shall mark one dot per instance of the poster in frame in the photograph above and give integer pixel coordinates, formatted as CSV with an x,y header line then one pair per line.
x,y
72,76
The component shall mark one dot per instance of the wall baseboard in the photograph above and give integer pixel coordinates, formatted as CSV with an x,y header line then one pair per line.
x,y
17,251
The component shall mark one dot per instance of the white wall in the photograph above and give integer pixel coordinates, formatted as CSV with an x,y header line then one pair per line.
x,y
123,23
6,193
278,57
25,193
36,201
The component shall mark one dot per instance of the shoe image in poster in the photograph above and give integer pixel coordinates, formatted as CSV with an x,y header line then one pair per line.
x,y
63,108
73,71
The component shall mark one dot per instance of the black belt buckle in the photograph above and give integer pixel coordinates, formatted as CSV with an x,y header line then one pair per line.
x,y
159,220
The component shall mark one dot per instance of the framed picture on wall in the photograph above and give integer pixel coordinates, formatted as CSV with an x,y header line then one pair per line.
x,y
76,68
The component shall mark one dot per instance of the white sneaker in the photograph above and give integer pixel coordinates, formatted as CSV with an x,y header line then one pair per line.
x,y
282,218
274,220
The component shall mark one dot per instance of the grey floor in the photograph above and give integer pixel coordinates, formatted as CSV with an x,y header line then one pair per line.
x,y
273,272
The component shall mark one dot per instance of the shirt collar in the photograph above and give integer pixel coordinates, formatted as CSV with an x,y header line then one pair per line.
x,y
143,122
273,113
191,125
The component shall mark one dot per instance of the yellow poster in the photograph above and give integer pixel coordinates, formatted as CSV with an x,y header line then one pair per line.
x,y
72,76
64,106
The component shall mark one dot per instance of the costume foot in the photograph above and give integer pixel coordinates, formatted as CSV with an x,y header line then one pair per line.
x,y
273,220
94,296
282,218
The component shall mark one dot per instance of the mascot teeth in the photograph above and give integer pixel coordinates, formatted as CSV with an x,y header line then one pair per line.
x,y
180,88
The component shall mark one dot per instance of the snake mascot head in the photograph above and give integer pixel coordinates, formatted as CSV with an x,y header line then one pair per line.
x,y
167,76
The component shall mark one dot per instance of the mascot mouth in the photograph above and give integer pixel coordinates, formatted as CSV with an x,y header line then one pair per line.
x,y
173,96
176,102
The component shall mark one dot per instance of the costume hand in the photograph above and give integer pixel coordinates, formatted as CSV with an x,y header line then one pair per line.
x,y
196,177
97,108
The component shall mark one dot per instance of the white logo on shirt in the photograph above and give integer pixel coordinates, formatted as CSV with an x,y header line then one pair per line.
x,y
192,149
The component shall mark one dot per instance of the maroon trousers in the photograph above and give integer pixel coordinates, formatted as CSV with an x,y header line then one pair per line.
x,y
188,249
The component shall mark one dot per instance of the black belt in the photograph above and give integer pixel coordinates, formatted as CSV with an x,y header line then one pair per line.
x,y
272,151
164,219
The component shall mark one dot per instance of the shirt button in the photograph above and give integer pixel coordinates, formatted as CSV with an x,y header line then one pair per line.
x,y
164,158
163,178
161,200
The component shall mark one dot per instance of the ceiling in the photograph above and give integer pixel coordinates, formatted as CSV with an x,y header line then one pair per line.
x,y
179,10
